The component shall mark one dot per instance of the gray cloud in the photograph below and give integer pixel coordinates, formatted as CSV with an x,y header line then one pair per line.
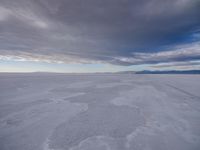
x,y
123,32
179,53
188,64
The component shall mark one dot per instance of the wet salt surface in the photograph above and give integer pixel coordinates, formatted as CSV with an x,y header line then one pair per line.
x,y
99,111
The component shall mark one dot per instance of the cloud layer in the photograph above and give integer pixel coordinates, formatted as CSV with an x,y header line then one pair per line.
x,y
123,32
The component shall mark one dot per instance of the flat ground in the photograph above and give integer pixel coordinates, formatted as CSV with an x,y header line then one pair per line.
x,y
99,112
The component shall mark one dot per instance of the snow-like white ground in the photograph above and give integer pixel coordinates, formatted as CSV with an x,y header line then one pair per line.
x,y
99,112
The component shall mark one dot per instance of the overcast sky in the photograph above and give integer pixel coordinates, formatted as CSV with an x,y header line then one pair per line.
x,y
99,35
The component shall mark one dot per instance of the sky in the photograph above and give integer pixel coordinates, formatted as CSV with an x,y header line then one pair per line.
x,y
99,35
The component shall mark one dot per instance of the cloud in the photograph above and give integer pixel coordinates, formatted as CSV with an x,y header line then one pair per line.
x,y
51,58
179,53
24,15
123,32
186,64
4,13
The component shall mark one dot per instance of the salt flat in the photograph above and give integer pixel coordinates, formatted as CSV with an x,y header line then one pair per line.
x,y
99,112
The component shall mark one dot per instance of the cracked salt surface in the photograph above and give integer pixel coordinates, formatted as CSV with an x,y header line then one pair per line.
x,y
99,112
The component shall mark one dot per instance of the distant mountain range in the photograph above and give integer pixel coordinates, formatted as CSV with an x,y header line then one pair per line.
x,y
169,72
120,72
